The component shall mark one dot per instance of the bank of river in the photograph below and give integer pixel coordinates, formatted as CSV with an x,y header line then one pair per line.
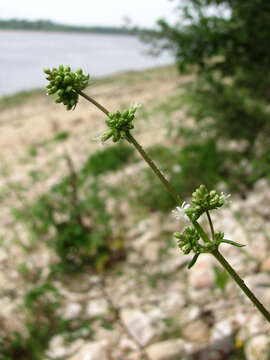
x,y
24,54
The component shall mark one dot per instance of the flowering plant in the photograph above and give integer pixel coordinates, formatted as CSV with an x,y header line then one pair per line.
x,y
69,86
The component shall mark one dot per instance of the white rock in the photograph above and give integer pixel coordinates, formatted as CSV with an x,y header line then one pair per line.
x,y
196,331
151,251
72,311
201,275
112,337
258,348
222,329
96,307
144,326
259,284
92,351
126,344
166,350
58,348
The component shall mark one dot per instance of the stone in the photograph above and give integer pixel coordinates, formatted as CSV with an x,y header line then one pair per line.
x,y
201,275
196,331
166,350
144,326
265,266
260,285
151,251
96,307
59,349
92,351
213,351
221,329
72,311
258,348
127,344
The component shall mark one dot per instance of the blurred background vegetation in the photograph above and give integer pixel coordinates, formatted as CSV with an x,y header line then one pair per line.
x,y
225,43
224,46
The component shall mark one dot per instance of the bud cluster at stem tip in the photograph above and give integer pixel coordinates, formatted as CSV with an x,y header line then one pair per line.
x,y
66,84
204,200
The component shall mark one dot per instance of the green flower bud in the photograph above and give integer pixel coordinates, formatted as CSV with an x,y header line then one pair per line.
x,y
73,102
47,71
68,89
60,92
67,80
106,135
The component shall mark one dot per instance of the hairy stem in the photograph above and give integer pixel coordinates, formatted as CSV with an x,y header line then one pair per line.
x,y
241,284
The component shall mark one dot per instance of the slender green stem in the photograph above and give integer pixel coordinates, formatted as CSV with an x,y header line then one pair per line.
x,y
242,285
149,161
178,200
93,101
211,225
155,169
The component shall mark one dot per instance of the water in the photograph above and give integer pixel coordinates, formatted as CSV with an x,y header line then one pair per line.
x,y
23,55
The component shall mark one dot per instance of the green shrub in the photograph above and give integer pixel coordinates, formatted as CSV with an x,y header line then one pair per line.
x,y
73,220
229,96
109,159
41,304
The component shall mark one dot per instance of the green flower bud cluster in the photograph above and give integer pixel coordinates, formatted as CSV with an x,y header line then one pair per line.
x,y
204,200
189,240
66,84
119,124
218,238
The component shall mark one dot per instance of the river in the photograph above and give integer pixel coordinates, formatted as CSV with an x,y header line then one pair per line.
x,y
23,55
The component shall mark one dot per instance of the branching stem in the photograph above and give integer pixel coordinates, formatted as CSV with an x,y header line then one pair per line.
x,y
179,201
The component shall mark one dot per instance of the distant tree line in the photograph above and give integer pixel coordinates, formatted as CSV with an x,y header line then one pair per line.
x,y
47,25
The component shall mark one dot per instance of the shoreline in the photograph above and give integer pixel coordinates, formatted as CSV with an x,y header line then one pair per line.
x,y
47,31
28,93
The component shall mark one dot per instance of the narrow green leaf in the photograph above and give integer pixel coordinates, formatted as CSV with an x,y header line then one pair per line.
x,y
193,261
232,243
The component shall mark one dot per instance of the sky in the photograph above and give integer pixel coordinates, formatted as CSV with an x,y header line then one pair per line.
x,y
89,12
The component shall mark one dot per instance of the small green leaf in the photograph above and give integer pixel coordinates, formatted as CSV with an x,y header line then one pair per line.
x,y
221,278
193,261
232,243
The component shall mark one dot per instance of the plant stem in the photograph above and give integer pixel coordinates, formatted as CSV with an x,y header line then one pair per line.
x,y
241,284
93,101
155,169
178,200
211,225
149,161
